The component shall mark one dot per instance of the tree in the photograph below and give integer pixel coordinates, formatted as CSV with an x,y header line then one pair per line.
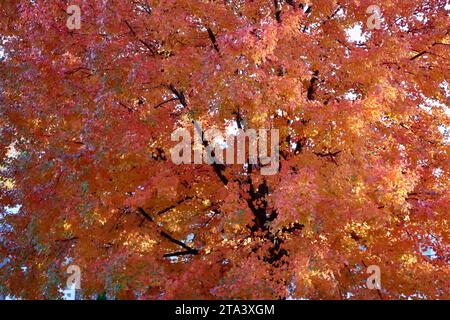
x,y
86,122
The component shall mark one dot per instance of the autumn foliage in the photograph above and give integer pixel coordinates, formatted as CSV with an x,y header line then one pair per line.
x,y
86,177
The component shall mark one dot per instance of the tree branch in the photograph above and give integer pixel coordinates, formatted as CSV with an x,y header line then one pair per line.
x,y
212,37
332,155
180,253
277,10
313,86
164,102
178,242
178,94
145,214
418,55
167,236
140,40
173,206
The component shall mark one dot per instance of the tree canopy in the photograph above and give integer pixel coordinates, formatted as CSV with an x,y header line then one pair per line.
x,y
86,175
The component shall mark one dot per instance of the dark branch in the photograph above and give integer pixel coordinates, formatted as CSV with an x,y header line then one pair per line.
x,y
331,155
313,86
149,47
212,37
145,214
277,10
164,102
258,205
126,107
173,206
217,167
418,55
178,94
327,154
131,28
167,236
67,240
181,253
291,3
178,242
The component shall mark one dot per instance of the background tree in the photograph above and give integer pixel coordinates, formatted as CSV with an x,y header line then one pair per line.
x,y
86,119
